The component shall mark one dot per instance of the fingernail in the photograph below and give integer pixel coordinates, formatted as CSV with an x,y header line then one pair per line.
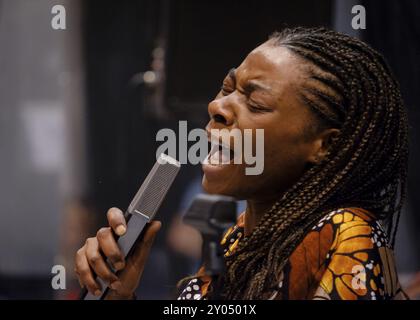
x,y
120,230
115,285
119,265
97,293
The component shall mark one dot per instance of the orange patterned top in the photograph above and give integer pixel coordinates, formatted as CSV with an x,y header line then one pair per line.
x,y
345,256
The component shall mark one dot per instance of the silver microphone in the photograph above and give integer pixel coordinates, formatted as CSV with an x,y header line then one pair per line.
x,y
143,208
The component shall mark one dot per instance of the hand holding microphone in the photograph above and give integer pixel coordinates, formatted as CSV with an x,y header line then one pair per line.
x,y
91,258
110,264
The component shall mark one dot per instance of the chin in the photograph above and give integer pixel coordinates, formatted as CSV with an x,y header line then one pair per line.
x,y
221,188
225,179
213,187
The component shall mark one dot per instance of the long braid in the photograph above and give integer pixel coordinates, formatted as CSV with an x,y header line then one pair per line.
x,y
349,87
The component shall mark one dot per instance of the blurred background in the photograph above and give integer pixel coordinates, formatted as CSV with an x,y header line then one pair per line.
x,y
80,108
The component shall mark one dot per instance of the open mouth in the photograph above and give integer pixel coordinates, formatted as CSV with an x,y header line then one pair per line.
x,y
219,154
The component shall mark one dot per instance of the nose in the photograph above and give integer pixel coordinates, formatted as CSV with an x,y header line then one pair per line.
x,y
221,112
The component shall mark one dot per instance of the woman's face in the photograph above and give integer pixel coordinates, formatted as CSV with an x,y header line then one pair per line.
x,y
262,93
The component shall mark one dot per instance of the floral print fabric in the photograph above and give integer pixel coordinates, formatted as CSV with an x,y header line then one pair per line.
x,y
345,256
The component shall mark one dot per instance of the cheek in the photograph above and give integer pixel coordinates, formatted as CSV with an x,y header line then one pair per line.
x,y
285,152
284,160
284,164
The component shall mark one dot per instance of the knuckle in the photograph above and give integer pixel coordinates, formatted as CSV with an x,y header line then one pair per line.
x,y
95,259
79,254
115,257
102,233
89,241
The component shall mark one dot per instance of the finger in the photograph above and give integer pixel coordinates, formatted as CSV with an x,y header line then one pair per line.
x,y
80,283
97,262
116,221
109,247
84,273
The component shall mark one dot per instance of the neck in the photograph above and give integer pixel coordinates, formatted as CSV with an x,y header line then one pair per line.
x,y
255,209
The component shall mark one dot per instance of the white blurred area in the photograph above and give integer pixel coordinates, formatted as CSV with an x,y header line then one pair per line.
x,y
42,152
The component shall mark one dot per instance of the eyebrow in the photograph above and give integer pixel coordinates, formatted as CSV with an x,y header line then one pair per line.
x,y
251,85
232,74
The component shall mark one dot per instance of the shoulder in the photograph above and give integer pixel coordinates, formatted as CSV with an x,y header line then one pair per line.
x,y
353,229
346,217
359,263
341,239
352,235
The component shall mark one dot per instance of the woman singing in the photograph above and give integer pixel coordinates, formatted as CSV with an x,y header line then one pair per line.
x,y
321,219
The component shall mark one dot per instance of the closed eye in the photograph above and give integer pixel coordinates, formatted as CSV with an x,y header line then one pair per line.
x,y
226,90
254,108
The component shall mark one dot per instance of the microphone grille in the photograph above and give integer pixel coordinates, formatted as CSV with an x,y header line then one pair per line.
x,y
155,187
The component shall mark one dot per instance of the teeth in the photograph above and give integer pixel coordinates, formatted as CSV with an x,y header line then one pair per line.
x,y
219,154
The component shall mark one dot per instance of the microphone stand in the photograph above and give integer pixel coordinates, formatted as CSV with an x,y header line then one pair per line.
x,y
212,215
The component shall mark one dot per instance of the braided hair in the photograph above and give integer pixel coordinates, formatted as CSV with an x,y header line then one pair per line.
x,y
348,86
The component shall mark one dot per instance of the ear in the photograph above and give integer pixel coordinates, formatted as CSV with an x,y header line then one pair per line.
x,y
322,144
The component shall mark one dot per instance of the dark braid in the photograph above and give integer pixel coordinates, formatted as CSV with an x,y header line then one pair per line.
x,y
349,86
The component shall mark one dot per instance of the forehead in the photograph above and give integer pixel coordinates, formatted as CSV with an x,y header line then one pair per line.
x,y
274,66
